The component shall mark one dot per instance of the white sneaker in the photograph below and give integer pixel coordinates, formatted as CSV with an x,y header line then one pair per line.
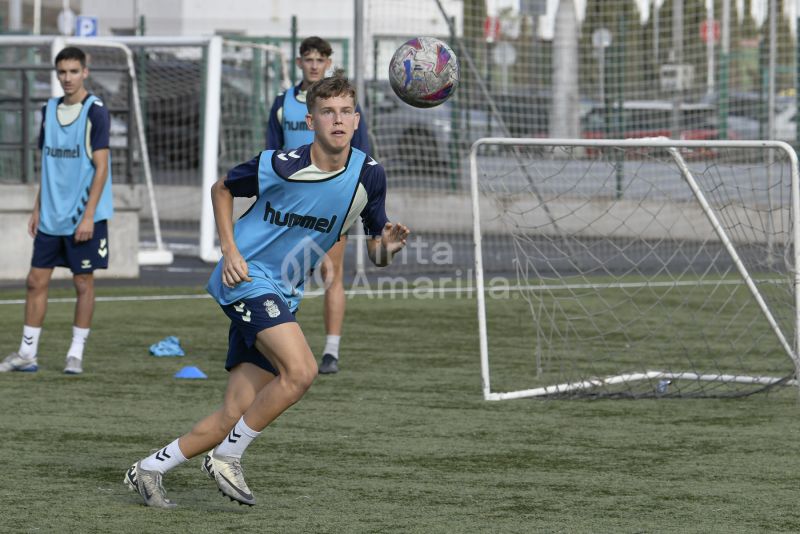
x,y
74,366
15,362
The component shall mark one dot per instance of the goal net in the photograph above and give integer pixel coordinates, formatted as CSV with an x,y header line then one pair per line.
x,y
638,268
183,110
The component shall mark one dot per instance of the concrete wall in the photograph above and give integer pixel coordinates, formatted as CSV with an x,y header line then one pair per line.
x,y
15,212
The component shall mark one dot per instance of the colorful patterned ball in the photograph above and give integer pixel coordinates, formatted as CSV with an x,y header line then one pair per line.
x,y
424,72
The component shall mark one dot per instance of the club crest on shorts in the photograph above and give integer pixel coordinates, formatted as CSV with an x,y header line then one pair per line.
x,y
272,308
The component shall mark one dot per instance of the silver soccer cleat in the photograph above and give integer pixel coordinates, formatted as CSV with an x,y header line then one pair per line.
x,y
148,485
227,472
15,362
74,366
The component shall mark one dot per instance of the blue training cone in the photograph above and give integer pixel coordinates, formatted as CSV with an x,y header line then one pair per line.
x,y
190,371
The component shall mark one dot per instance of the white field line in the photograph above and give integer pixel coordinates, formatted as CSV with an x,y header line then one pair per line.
x,y
421,292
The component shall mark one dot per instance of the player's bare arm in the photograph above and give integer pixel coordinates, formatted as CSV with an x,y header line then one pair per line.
x,y
85,229
392,240
234,269
33,221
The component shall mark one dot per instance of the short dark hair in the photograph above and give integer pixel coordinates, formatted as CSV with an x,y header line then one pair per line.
x,y
316,43
71,52
336,85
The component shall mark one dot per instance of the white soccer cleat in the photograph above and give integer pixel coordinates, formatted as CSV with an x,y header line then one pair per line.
x,y
15,362
74,366
148,485
227,472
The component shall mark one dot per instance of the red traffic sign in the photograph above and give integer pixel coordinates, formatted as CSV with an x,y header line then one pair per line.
x,y
704,33
491,29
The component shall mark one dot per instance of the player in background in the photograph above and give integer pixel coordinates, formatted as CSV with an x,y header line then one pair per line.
x,y
72,207
287,129
306,199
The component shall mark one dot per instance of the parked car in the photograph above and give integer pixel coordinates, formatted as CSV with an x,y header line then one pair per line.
x,y
422,141
653,118
747,115
786,123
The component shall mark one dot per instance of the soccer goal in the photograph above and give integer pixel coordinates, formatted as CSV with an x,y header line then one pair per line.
x,y
635,268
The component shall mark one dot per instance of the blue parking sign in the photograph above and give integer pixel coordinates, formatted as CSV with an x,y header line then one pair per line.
x,y
86,26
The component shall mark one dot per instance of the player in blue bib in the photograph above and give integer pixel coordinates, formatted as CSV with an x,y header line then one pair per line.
x,y
305,198
287,129
72,207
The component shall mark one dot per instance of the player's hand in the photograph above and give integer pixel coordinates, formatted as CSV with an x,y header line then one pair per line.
x,y
85,230
33,223
393,237
234,269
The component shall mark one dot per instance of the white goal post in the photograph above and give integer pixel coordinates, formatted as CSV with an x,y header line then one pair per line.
x,y
146,256
183,111
642,267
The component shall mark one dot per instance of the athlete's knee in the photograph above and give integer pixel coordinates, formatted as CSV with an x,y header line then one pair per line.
x,y
297,380
83,283
36,281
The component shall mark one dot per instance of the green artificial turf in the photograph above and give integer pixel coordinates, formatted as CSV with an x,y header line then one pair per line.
x,y
400,440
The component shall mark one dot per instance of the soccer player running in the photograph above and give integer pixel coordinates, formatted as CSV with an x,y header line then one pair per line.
x,y
306,198
72,207
287,129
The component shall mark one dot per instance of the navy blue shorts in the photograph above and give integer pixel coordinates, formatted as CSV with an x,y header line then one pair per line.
x,y
248,318
62,251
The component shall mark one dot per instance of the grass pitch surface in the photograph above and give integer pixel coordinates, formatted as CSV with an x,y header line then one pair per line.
x,y
399,441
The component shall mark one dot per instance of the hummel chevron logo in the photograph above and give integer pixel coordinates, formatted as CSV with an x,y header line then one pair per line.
x,y
232,435
292,154
241,309
165,457
28,340
372,162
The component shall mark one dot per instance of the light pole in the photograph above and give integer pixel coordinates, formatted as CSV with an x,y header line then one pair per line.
x,y
601,39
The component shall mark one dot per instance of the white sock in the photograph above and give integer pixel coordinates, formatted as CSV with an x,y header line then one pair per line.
x,y
79,336
165,459
332,346
29,345
237,441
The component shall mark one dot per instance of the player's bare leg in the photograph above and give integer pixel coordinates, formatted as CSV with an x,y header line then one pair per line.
x,y
36,285
84,307
145,476
244,383
335,303
24,359
285,347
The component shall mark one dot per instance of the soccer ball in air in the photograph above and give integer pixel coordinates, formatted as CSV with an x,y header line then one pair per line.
x,y
424,72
